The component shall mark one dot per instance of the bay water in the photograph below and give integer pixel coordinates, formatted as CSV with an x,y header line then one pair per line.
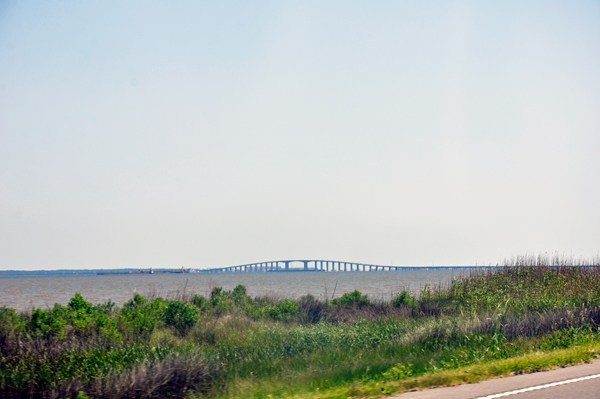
x,y
24,293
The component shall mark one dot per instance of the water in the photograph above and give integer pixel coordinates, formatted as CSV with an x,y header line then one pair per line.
x,y
23,293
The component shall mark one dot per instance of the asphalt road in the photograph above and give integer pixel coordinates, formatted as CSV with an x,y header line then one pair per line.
x,y
554,384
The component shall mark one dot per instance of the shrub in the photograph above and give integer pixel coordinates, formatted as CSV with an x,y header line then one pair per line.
x,y
137,301
311,310
351,299
10,321
78,304
199,301
404,299
281,311
45,323
308,298
140,317
181,315
288,308
221,305
216,293
239,291
106,307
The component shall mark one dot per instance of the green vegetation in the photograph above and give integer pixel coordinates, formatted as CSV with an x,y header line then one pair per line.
x,y
518,318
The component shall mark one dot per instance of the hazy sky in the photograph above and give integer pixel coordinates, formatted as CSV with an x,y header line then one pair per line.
x,y
208,134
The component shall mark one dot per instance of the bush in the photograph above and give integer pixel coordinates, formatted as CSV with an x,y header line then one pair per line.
x,y
281,311
308,298
46,324
239,291
137,301
311,310
351,299
140,317
78,304
181,315
216,293
10,321
199,301
404,299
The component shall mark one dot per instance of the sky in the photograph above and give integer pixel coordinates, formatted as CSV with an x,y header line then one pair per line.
x,y
211,134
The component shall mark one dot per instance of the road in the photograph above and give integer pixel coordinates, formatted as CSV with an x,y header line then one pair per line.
x,y
580,382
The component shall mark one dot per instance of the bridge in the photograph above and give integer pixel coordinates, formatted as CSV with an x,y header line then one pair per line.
x,y
311,265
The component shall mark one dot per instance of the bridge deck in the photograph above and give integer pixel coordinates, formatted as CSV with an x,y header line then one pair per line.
x,y
311,265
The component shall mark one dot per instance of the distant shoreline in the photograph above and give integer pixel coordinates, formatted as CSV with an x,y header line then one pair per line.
x,y
93,272
80,272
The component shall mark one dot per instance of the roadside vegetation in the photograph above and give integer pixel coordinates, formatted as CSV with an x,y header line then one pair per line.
x,y
532,313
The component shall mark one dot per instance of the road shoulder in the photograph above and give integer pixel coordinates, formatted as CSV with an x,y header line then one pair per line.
x,y
499,385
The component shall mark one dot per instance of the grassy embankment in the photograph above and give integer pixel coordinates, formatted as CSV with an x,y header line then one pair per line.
x,y
524,317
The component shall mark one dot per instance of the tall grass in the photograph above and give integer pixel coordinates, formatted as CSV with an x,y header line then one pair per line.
x,y
227,344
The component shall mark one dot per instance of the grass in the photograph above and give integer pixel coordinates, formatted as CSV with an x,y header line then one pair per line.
x,y
535,313
534,362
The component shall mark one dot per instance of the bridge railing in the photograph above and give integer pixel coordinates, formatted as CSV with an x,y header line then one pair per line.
x,y
322,266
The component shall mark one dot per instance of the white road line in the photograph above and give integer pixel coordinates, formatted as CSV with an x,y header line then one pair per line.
x,y
553,384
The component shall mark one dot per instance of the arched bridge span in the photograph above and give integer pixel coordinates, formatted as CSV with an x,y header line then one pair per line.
x,y
306,265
